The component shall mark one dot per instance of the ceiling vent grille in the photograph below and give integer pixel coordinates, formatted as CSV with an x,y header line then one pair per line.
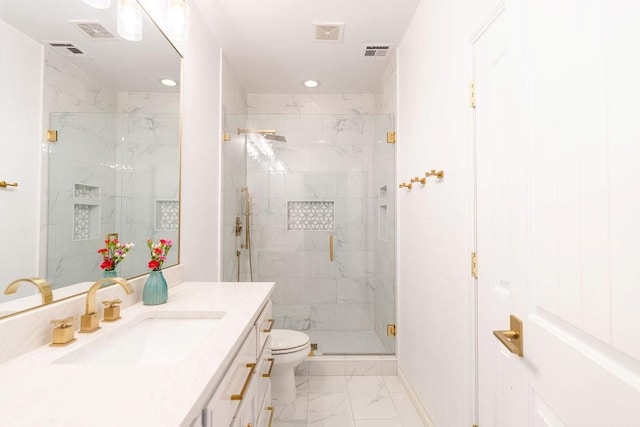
x,y
328,32
67,46
376,51
93,29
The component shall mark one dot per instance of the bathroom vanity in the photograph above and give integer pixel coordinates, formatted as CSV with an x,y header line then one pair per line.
x,y
202,359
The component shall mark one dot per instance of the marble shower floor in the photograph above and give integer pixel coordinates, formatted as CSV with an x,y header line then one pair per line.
x,y
348,401
347,342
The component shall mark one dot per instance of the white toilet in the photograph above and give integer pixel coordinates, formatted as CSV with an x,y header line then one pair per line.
x,y
289,349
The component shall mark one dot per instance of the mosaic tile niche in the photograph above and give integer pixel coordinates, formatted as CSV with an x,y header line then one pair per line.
x,y
310,215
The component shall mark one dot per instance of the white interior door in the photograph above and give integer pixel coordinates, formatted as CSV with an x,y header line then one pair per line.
x,y
501,245
558,213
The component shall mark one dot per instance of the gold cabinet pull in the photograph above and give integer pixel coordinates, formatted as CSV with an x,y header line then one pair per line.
x,y
331,248
5,184
246,383
271,322
268,374
513,339
270,408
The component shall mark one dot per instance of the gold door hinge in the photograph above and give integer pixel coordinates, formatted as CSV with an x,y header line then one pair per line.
x,y
391,330
391,137
474,265
52,135
472,95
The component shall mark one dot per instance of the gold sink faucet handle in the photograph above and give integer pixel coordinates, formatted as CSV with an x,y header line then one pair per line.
x,y
112,303
111,310
63,332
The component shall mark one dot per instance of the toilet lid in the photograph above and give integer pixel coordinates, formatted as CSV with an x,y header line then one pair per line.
x,y
284,339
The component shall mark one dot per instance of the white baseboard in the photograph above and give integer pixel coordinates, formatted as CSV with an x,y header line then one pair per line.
x,y
414,400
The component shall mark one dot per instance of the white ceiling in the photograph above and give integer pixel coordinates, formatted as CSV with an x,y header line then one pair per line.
x,y
270,46
121,64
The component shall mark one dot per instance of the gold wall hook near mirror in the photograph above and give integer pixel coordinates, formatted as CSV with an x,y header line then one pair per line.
x,y
5,184
439,174
405,185
513,339
422,181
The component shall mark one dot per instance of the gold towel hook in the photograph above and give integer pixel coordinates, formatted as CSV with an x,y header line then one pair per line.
x,y
5,184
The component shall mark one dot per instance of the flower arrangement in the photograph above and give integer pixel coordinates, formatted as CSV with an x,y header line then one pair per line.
x,y
113,253
158,252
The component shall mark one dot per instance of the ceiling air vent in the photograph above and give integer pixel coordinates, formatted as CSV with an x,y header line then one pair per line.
x,y
328,32
67,46
93,29
376,51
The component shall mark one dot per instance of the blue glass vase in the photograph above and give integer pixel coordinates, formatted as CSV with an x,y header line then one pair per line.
x,y
106,274
155,289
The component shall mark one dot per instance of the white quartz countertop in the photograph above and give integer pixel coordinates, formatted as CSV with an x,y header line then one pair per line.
x,y
36,391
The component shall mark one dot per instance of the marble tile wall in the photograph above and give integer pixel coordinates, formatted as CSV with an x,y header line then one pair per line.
x,y
125,145
148,171
330,154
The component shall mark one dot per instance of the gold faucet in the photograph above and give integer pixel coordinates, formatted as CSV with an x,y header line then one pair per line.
x,y
43,287
63,332
89,321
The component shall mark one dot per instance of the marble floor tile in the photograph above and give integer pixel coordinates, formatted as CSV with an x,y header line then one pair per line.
x,y
328,384
393,384
379,423
330,410
408,414
370,398
348,401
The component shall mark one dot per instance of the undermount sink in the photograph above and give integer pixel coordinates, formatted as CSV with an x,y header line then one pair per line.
x,y
161,338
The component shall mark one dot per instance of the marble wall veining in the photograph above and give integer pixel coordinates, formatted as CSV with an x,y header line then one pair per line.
x,y
331,154
122,144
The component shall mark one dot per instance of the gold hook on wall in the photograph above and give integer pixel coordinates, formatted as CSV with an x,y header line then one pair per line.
x,y
405,185
433,172
422,181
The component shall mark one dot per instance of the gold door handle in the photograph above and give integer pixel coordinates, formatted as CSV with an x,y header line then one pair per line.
x,y
331,248
268,374
271,322
246,383
513,339
5,184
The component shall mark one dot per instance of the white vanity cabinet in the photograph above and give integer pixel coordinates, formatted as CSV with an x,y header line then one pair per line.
x,y
243,395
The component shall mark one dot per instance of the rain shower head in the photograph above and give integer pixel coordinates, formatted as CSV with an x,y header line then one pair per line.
x,y
274,137
268,134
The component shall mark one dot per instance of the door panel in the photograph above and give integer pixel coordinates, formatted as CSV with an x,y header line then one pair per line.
x,y
569,211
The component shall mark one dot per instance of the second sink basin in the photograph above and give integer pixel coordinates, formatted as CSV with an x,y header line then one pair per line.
x,y
160,338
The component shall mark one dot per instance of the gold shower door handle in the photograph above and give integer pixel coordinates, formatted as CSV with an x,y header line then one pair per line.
x,y
513,339
331,248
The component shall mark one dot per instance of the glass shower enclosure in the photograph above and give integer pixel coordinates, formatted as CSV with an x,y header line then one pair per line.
x,y
322,223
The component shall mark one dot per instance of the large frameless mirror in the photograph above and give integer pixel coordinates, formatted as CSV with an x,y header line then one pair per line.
x,y
103,141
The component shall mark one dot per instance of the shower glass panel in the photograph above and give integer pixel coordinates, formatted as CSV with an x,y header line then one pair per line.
x,y
322,224
110,173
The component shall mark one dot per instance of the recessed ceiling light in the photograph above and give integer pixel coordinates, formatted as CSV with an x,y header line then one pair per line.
x,y
311,83
168,82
